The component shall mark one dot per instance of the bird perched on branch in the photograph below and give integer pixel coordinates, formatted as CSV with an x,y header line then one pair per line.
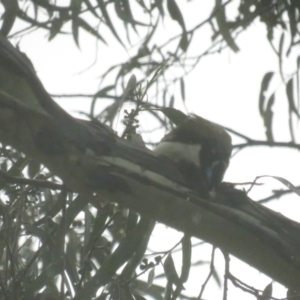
x,y
201,150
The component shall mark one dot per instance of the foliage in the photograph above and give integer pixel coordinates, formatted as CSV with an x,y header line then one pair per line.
x,y
56,245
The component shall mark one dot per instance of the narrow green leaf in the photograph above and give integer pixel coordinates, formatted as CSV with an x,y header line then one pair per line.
x,y
280,50
268,118
171,103
182,89
128,14
142,4
281,43
91,8
291,10
175,13
171,273
103,92
263,89
224,27
123,11
184,41
90,29
164,98
284,181
75,30
55,28
267,292
151,276
290,96
75,7
297,77
216,277
109,23
159,5
186,244
201,263
100,94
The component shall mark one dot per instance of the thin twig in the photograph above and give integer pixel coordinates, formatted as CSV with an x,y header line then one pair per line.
x,y
212,268
33,182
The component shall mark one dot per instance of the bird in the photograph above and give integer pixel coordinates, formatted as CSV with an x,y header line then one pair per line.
x,y
201,151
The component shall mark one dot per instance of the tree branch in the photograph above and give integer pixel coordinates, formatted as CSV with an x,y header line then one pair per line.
x,y
92,160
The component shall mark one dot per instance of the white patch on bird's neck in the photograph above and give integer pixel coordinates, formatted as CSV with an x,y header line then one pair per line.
x,y
179,151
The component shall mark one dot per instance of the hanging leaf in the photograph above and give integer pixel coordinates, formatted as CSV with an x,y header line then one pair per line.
x,y
268,118
164,97
290,96
75,7
75,30
176,15
151,276
109,23
100,94
103,92
123,11
82,23
291,10
171,273
55,28
182,89
216,277
284,181
224,28
160,7
267,292
171,103
184,42
264,88
186,244
281,43
91,8
297,77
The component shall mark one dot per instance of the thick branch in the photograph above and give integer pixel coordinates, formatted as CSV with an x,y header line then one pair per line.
x,y
91,159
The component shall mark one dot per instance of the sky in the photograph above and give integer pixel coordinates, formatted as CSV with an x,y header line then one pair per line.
x,y
224,88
